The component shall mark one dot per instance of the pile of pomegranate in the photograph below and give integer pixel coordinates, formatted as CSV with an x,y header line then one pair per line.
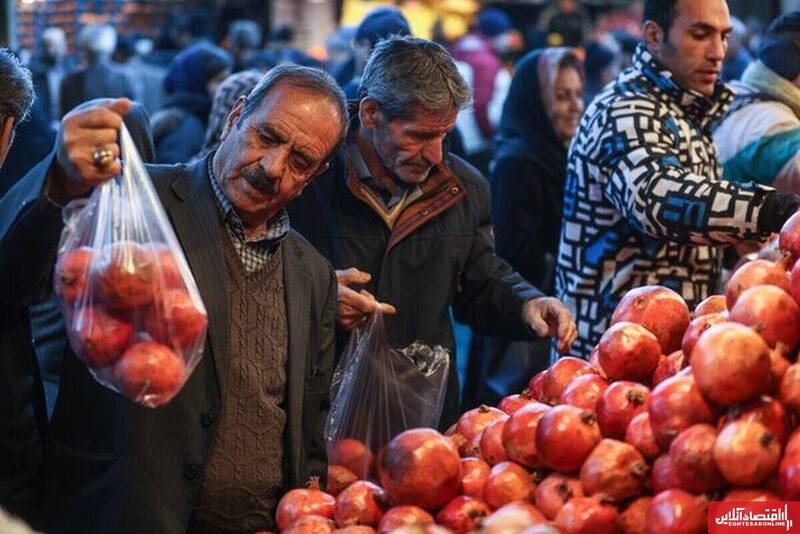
x,y
130,317
671,410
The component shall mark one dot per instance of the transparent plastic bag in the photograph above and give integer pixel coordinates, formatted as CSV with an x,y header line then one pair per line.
x,y
133,312
378,392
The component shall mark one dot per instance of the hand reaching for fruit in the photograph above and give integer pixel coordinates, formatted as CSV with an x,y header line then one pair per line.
x,y
548,317
355,307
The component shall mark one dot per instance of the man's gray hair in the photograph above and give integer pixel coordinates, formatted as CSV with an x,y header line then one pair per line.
x,y
404,73
16,88
308,78
99,40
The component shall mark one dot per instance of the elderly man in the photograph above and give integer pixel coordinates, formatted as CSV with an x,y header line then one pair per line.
x,y
408,223
248,423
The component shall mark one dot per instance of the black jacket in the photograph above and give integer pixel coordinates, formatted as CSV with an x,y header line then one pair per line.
x,y
114,466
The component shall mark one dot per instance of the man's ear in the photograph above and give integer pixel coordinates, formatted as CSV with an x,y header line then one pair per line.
x,y
6,137
233,116
653,36
369,113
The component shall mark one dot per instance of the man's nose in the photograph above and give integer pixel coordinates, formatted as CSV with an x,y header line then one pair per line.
x,y
433,151
717,48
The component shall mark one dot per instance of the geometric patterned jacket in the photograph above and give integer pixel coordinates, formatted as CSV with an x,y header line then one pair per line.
x,y
644,202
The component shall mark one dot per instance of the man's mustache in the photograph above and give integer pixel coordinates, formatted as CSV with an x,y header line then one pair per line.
x,y
261,181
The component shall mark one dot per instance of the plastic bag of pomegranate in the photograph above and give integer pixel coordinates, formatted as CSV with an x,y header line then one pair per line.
x,y
133,313
378,392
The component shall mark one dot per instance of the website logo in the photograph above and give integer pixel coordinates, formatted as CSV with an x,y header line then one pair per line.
x,y
752,517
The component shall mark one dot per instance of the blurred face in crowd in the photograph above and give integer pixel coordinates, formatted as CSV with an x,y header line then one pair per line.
x,y
695,46
266,158
214,82
567,103
407,148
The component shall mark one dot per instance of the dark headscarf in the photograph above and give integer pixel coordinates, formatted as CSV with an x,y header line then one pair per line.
x,y
194,67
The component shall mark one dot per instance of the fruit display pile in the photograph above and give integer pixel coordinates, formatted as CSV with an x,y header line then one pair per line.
x,y
673,410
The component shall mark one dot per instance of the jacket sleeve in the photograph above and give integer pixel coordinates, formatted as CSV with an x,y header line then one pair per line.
x,y
490,294
638,152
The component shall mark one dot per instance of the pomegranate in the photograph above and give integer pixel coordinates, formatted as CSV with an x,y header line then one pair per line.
x,y
696,329
634,519
168,270
491,443
400,516
731,364
149,373
126,275
462,514
765,410
664,476
794,282
508,482
669,366
310,524
620,403
594,361
536,384
361,503
473,422
640,435
420,458
778,366
615,469
789,477
175,320
561,374
474,473
754,273
299,502
628,351
355,529
692,457
339,478
353,455
675,510
72,272
519,435
660,310
771,312
789,238
99,338
565,436
675,405
584,391
585,515
512,518
747,453
422,529
793,444
711,304
512,403
751,495
789,391
554,492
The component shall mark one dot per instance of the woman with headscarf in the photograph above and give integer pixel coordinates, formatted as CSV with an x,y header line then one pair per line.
x,y
179,128
540,118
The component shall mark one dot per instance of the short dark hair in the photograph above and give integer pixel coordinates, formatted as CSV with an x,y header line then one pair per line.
x,y
308,78
17,93
661,12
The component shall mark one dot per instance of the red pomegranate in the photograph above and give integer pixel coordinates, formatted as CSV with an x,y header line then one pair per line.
x,y
660,310
771,312
584,391
675,510
353,455
422,529
361,503
789,477
594,361
355,529
620,403
513,517
472,423
420,467
508,482
628,351
692,457
663,475
463,514
747,453
634,519
585,515
676,404
519,435
72,272
536,384
512,403
789,238
149,373
175,320
789,391
697,327
310,524
554,492
751,495
669,366
765,410
778,365
753,273
401,516
299,502
731,364
491,444
640,435
169,272
99,338
794,281
126,275
474,473
793,444
565,436
614,469
561,374
339,478
712,304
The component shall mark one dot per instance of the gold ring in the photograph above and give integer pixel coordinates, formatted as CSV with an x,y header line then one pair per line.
x,y
102,157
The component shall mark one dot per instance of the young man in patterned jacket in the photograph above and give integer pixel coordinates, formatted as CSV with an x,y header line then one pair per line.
x,y
645,202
